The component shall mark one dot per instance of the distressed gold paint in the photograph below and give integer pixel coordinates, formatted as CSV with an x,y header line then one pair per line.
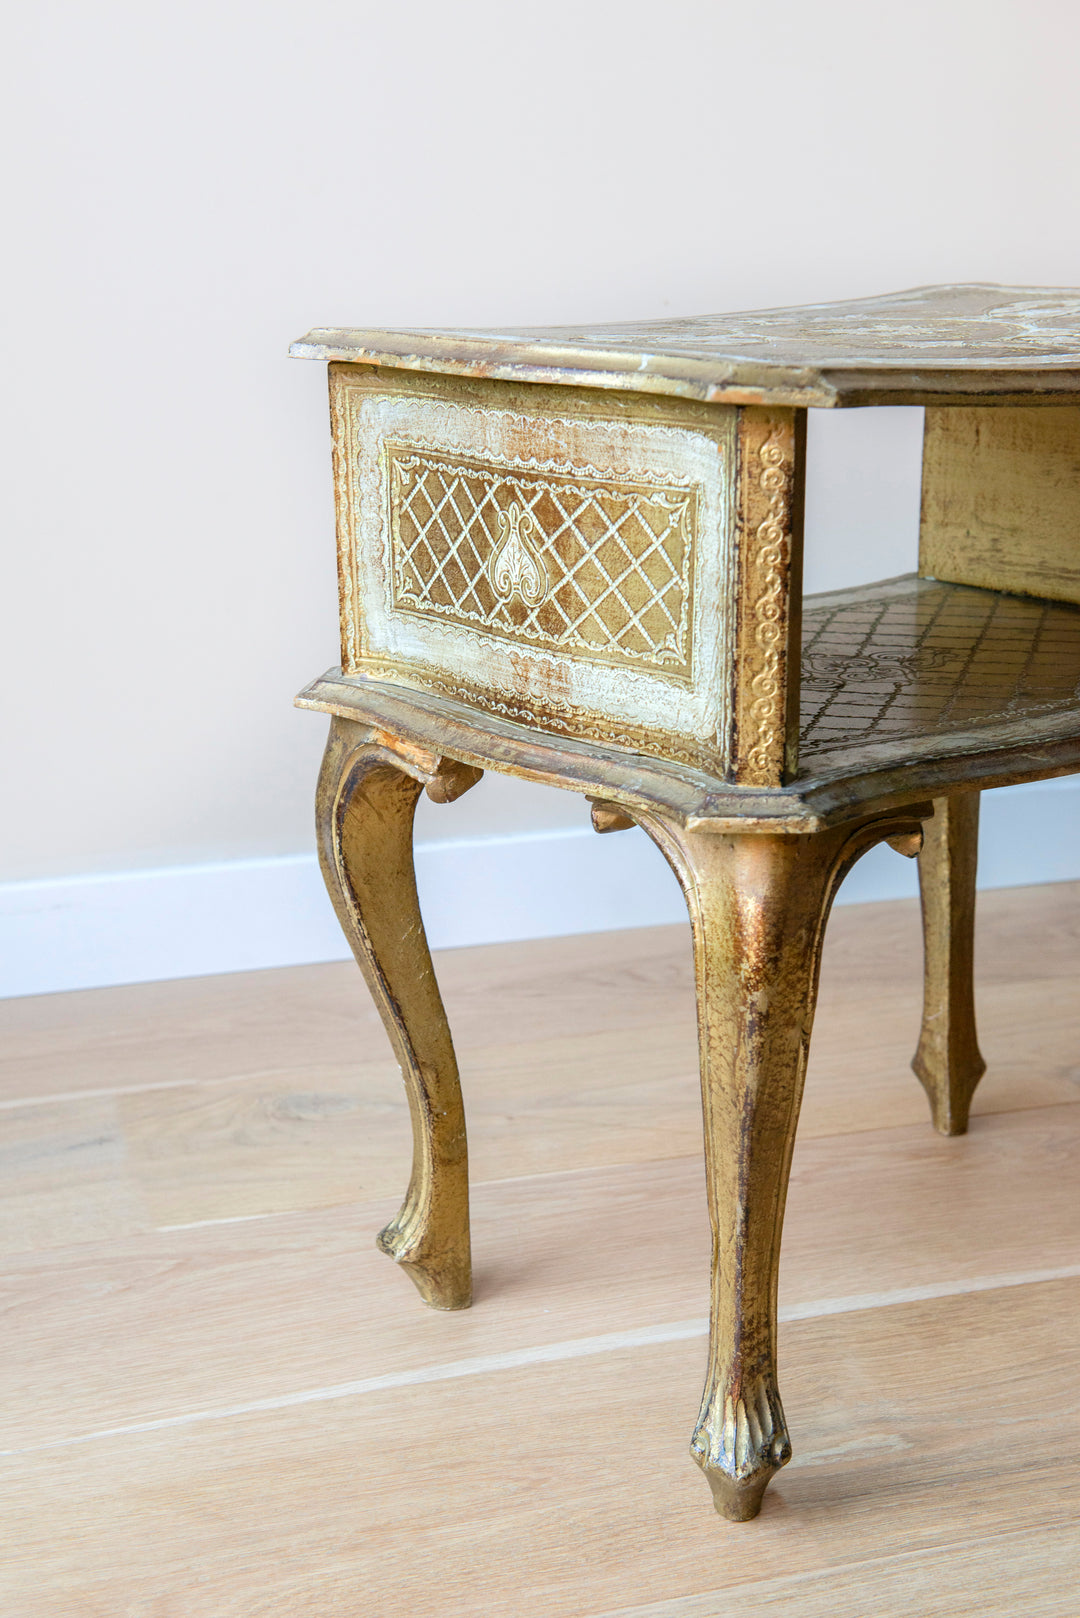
x,y
948,1061
768,519
1001,500
939,344
573,564
912,691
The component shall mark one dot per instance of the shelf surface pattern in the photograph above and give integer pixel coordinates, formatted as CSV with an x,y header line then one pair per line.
x,y
911,660
911,688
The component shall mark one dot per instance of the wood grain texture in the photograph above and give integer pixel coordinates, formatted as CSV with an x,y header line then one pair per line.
x,y
490,1490
170,1325
1001,500
421,1502
266,1092
964,1576
64,1176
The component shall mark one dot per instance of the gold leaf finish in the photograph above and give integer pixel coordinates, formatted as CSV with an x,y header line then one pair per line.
x,y
758,907
899,668
1001,499
948,1061
600,567
769,551
366,800
954,344
576,557
559,558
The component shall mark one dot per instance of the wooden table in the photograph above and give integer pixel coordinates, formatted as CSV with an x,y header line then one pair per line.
x,y
575,556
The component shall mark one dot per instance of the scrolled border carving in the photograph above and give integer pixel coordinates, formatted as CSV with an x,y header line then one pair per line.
x,y
761,673
770,613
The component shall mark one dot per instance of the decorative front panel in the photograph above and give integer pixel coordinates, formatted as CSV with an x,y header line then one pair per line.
x,y
518,549
603,568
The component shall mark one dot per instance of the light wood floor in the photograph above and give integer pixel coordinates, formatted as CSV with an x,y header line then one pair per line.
x,y
222,1401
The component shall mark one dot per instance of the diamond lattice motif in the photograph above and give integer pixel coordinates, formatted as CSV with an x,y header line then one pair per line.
x,y
916,658
596,566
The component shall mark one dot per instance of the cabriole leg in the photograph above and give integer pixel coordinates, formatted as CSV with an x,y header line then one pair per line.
x,y
366,801
948,1061
758,906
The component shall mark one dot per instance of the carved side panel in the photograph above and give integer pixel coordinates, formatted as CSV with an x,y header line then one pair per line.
x,y
346,546
552,557
602,568
770,482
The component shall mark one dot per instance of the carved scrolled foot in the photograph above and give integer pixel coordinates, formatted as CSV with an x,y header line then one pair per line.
x,y
367,798
736,1500
440,1270
948,1062
741,1453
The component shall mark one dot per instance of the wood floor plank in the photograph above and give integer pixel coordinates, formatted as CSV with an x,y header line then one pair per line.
x,y
64,1177
1028,1570
560,1489
937,1463
298,1020
338,1134
284,1020
118,1332
551,1105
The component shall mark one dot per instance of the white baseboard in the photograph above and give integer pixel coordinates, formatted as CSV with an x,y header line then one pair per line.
x,y
186,921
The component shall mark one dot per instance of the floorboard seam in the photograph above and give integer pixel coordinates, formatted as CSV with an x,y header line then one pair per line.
x,y
694,1159
551,1353
692,1603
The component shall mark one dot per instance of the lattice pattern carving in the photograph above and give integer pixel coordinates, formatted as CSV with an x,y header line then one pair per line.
x,y
919,658
564,561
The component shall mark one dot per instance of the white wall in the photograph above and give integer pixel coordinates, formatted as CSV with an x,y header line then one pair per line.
x,y
195,185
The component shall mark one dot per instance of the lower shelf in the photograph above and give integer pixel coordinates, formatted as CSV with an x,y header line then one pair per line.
x,y
902,667
911,689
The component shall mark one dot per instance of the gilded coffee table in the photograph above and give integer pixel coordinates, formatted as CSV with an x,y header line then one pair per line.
x,y
574,556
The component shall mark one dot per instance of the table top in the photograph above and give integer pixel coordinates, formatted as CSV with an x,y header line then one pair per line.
x,y
969,343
